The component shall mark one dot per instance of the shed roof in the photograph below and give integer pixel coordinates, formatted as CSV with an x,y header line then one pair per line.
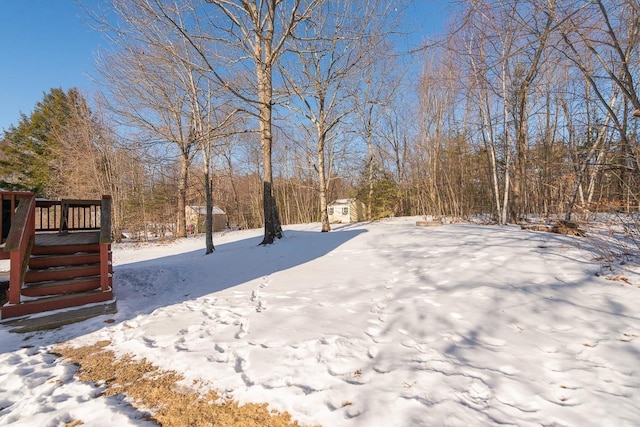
x,y
202,210
342,201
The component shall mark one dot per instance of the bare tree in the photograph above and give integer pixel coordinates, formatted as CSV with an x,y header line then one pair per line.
x,y
149,77
210,122
488,47
329,50
231,36
608,33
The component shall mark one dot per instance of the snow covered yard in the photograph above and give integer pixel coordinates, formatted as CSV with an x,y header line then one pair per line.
x,y
383,324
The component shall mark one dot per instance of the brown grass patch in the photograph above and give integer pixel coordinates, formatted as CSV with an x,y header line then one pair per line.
x,y
151,388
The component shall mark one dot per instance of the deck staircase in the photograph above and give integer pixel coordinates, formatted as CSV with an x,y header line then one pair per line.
x,y
66,262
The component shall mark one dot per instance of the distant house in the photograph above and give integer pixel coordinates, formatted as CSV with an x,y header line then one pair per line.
x,y
346,210
196,218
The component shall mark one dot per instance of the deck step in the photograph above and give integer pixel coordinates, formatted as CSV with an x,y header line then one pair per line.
x,y
60,318
63,273
55,303
61,287
47,261
64,249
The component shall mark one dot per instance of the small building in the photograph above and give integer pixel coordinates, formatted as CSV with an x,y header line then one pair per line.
x,y
196,218
345,211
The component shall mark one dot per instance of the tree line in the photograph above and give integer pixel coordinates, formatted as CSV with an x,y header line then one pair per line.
x,y
271,109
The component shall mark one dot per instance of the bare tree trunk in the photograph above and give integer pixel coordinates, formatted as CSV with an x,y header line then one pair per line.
x,y
181,230
370,177
585,163
522,119
208,187
507,149
322,177
272,226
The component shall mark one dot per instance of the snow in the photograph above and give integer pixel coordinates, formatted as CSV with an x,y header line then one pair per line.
x,y
372,324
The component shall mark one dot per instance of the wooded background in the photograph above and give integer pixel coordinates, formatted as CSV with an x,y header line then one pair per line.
x,y
522,107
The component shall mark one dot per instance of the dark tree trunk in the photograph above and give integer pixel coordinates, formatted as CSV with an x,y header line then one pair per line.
x,y
272,227
208,185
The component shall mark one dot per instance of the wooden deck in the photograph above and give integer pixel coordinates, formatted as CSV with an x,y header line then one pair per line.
x,y
71,238
52,270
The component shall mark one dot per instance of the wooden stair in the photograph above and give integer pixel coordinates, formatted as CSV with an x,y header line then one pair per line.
x,y
61,276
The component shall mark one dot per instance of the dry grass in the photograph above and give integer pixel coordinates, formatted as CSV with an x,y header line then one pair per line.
x,y
152,389
561,227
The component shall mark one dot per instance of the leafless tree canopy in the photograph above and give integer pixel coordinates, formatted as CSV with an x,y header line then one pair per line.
x,y
272,109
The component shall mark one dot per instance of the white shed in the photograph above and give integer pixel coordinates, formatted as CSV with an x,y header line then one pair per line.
x,y
196,218
346,210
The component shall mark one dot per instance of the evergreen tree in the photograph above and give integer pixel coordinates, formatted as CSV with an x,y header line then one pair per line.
x,y
28,150
384,200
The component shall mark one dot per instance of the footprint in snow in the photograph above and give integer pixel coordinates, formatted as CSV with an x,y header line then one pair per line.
x,y
376,335
244,330
242,361
150,342
265,281
627,337
564,396
181,345
479,391
352,411
221,354
373,351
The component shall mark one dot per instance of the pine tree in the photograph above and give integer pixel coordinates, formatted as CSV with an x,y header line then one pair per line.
x,y
384,199
28,150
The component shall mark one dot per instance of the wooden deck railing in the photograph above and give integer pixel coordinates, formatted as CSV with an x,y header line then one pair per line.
x,y
80,215
23,216
9,201
68,215
19,243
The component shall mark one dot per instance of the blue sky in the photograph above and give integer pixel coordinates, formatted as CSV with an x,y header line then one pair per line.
x,y
43,44
48,43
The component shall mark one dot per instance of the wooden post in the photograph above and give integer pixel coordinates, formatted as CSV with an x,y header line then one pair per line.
x,y
15,278
105,219
105,243
105,261
64,217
